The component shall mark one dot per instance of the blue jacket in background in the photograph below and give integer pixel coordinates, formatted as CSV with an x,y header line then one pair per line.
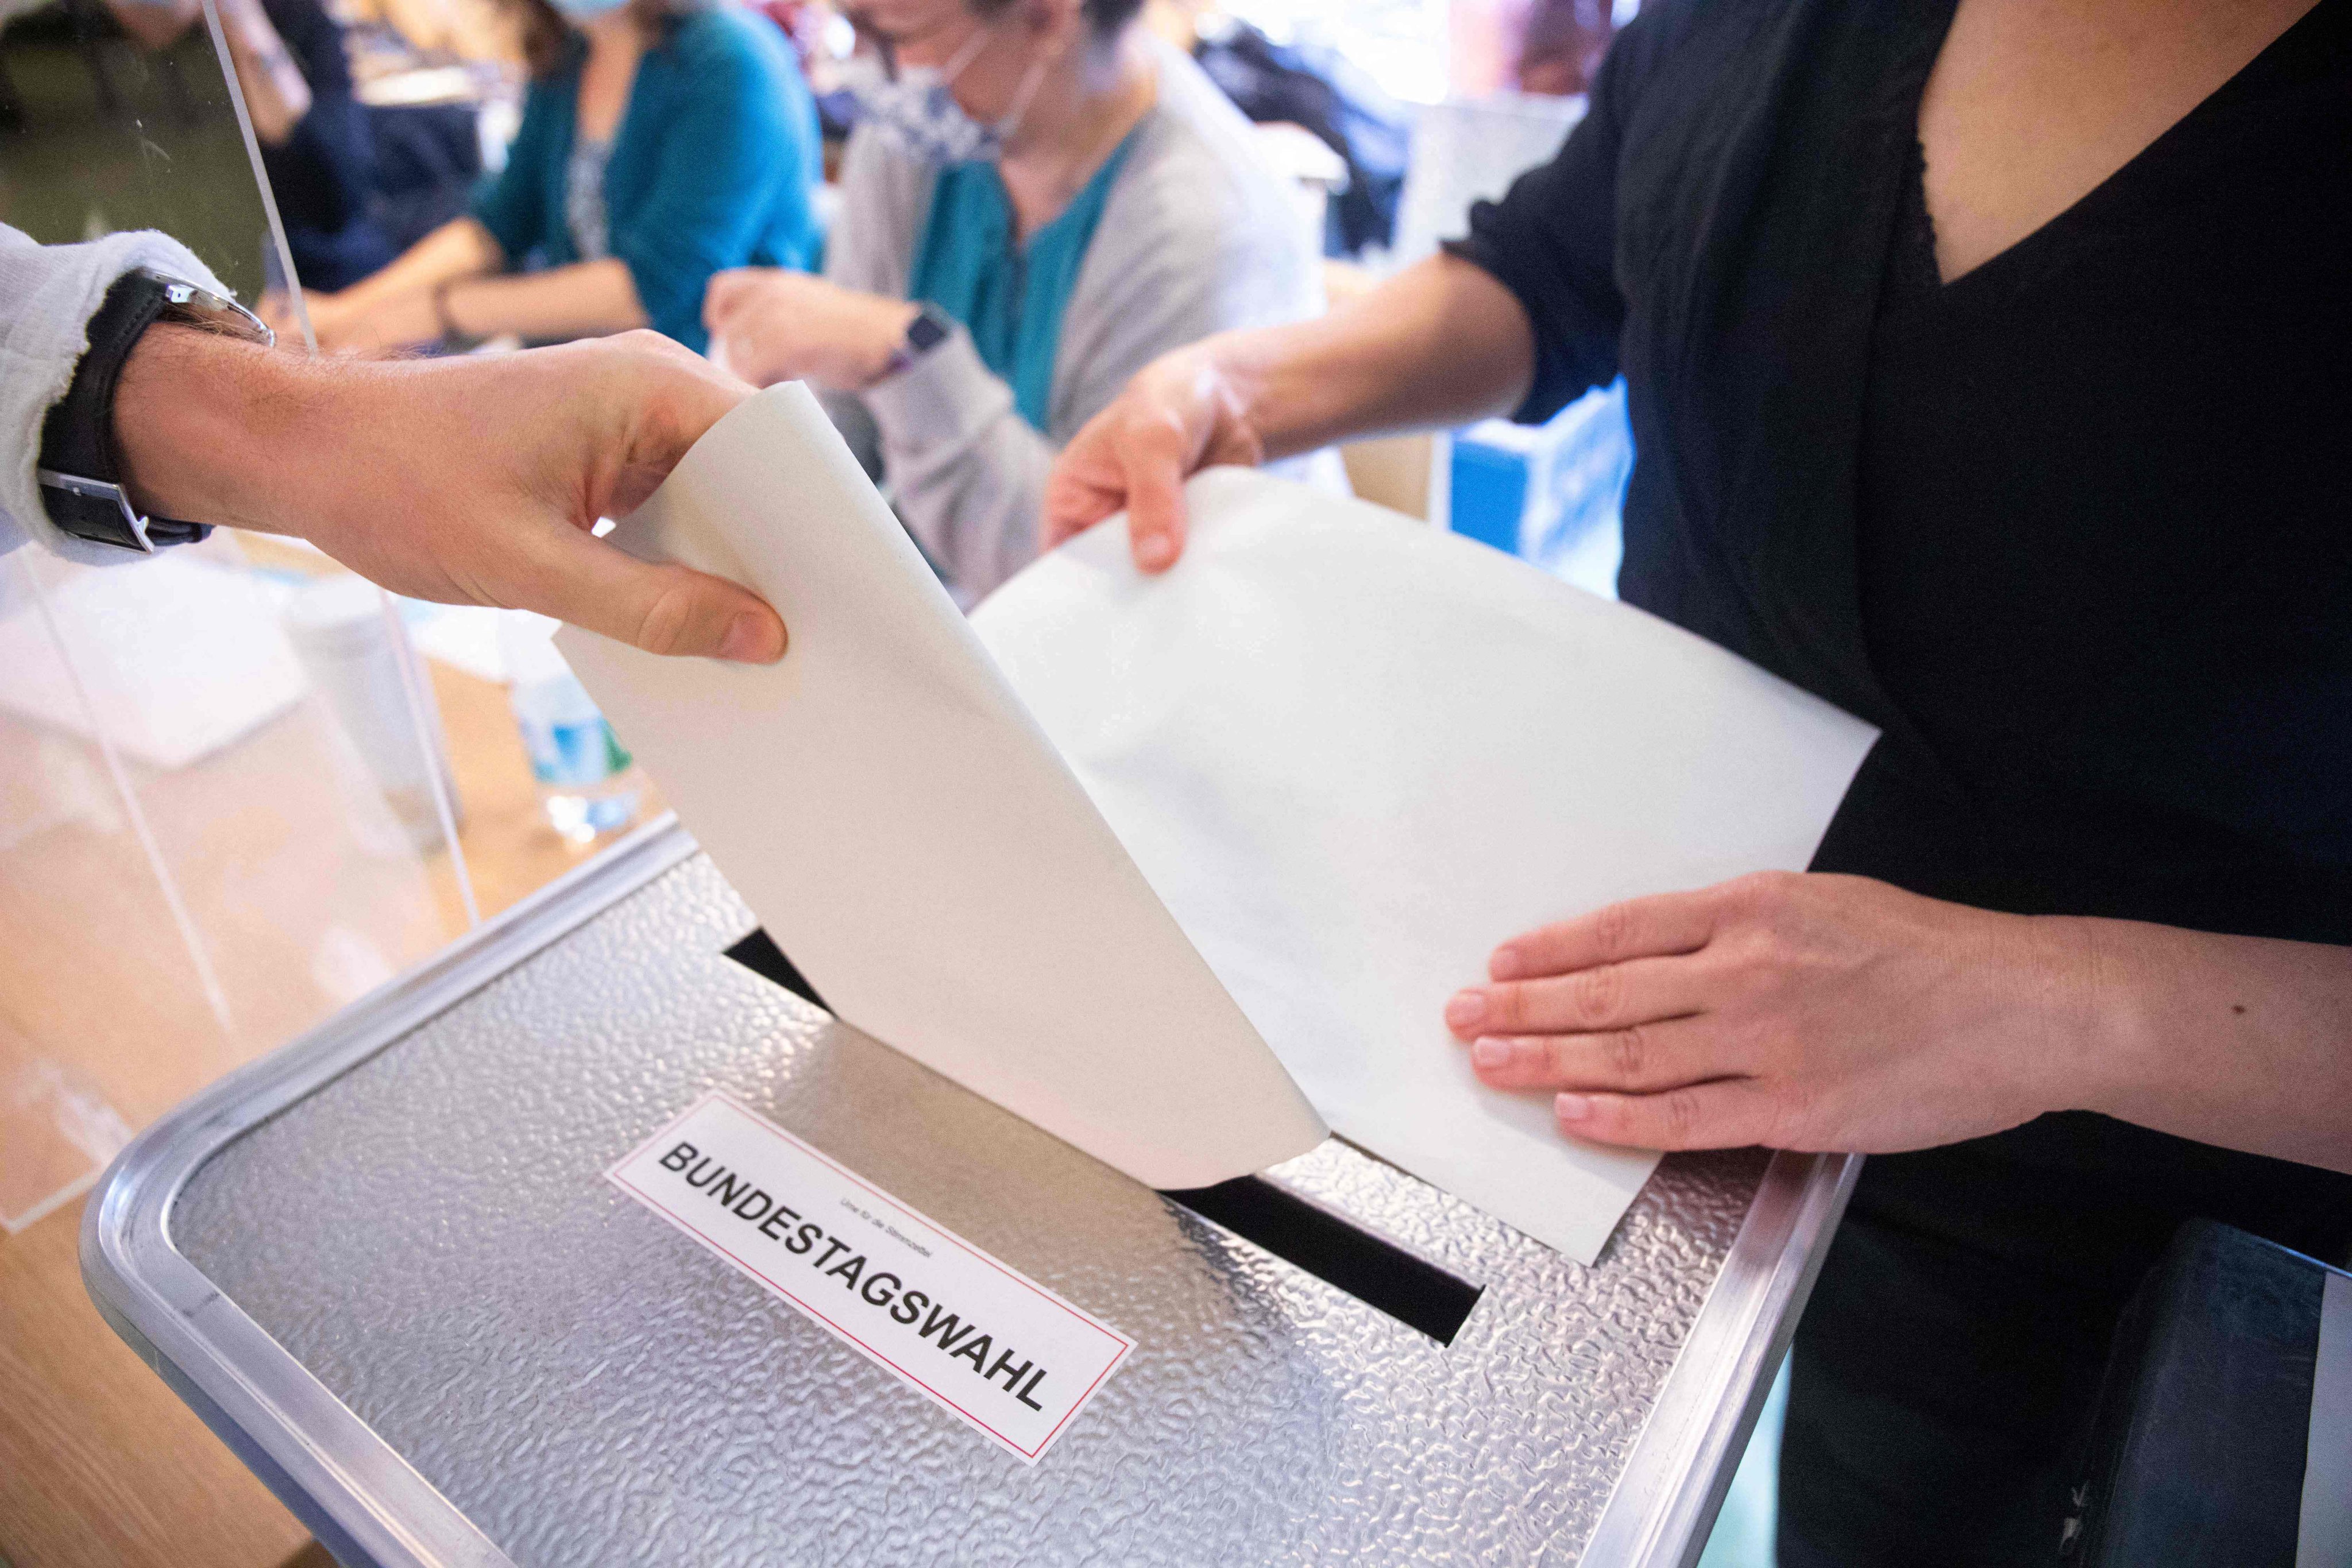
x,y
713,166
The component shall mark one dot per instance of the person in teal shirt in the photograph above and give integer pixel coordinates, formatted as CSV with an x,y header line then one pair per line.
x,y
1039,199
1008,294
662,141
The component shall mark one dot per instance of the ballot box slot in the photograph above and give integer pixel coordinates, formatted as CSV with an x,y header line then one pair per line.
x,y
1328,1245
1302,1233
759,953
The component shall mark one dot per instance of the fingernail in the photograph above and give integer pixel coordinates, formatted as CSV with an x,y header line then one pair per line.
x,y
1505,963
749,641
1487,1051
1467,1009
1153,552
1571,1107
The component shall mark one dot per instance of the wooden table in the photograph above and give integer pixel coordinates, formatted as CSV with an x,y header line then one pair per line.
x,y
99,1463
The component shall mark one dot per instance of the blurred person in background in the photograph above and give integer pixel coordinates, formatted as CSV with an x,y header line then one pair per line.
x,y
314,134
1039,198
662,141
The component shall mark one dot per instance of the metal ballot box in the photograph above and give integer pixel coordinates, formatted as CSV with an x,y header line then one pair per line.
x,y
385,1266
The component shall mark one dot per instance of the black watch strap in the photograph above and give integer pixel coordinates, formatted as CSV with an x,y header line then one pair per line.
x,y
929,328
79,470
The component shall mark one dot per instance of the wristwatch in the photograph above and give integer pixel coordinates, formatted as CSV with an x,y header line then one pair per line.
x,y
80,471
929,328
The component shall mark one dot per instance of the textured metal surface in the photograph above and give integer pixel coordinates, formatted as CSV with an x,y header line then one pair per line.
x,y
430,1236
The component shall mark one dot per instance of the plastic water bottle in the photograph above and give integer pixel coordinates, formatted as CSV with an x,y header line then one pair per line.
x,y
587,783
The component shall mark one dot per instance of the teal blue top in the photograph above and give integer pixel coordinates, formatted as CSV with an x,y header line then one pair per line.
x,y
712,167
1008,297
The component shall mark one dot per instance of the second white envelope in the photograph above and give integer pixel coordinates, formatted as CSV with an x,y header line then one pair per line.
x,y
1353,753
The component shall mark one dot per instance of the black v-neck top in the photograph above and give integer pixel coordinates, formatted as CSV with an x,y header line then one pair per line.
x,y
2075,530
2105,516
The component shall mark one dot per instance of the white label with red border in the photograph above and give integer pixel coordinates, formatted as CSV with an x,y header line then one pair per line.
x,y
993,1346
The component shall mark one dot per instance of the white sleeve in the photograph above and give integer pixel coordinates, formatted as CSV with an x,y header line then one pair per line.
x,y
47,295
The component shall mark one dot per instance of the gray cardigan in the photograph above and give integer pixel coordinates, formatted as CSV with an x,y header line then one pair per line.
x,y
1197,236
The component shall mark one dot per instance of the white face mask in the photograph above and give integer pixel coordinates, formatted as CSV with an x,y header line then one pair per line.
x,y
916,110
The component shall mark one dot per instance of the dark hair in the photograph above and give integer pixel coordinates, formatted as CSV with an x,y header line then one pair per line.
x,y
547,37
1105,16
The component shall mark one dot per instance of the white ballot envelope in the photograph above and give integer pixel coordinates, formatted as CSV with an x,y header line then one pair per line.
x,y
1354,754
904,831
1349,753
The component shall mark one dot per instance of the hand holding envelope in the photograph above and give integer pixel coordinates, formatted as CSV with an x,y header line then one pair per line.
x,y
1346,752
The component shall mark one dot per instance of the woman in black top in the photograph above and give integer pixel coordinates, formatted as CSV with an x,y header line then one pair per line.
x,y
2035,450
314,135
321,161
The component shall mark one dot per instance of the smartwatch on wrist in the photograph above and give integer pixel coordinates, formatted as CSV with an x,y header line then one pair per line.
x,y
79,470
929,328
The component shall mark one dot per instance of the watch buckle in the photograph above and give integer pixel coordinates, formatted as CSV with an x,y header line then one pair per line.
x,y
102,491
200,307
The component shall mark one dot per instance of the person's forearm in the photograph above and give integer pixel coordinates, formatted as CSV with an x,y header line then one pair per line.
x,y
588,299
154,26
215,430
2239,1041
1440,343
423,25
276,95
461,248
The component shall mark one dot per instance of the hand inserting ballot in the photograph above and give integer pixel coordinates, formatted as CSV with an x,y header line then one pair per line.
x,y
470,480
